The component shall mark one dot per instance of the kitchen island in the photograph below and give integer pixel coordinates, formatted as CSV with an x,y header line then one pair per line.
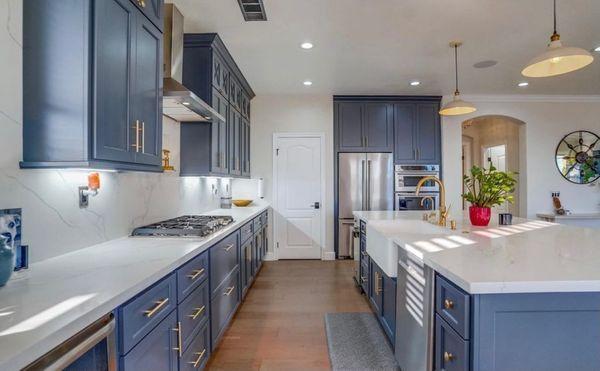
x,y
519,297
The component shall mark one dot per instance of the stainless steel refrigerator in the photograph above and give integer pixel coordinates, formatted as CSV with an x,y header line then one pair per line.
x,y
366,182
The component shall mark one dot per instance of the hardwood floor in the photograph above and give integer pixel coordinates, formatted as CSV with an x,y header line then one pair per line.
x,y
280,325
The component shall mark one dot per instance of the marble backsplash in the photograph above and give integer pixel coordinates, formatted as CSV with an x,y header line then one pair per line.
x,y
53,223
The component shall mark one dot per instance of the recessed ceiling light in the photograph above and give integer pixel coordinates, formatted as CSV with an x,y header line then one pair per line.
x,y
307,83
485,64
597,49
415,83
306,45
523,84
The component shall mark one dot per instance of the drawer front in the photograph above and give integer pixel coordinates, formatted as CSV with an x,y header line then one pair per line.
x,y
451,351
193,313
363,227
157,351
263,218
246,232
224,257
191,275
140,315
453,305
196,356
257,224
223,306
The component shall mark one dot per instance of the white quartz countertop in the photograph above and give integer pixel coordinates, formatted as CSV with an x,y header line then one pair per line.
x,y
58,297
526,257
553,216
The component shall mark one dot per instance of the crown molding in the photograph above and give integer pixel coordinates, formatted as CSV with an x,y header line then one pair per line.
x,y
516,98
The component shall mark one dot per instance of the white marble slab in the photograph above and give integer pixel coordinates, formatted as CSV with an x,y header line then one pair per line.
x,y
529,256
60,296
552,216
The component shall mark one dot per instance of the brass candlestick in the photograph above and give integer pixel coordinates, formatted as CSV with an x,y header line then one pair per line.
x,y
166,159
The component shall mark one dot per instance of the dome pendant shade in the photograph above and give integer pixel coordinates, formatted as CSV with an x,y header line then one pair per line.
x,y
457,106
557,60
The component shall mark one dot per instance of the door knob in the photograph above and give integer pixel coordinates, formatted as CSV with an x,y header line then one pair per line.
x,y
316,205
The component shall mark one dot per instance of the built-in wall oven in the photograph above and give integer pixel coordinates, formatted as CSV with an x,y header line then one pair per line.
x,y
406,178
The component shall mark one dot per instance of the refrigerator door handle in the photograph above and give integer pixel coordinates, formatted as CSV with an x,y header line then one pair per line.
x,y
362,178
368,184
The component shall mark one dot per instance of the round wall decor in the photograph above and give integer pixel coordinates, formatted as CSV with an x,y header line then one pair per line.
x,y
578,157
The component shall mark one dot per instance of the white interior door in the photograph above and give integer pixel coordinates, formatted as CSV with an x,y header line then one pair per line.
x,y
496,156
298,206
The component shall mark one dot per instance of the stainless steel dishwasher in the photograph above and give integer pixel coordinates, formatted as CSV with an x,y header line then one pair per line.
x,y
414,313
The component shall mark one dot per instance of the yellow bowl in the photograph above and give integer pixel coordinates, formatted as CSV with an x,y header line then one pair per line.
x,y
241,203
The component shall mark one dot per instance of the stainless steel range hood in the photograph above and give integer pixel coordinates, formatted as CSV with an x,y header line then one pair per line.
x,y
179,103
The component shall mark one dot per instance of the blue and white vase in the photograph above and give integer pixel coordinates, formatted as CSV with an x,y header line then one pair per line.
x,y
7,261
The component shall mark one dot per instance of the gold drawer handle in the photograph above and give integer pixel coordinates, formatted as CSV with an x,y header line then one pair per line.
x,y
449,357
200,355
448,304
159,304
142,3
228,247
179,347
229,291
199,311
195,274
378,289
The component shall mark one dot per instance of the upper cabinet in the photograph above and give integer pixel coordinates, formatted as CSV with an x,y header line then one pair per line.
x,y
218,148
417,133
364,127
153,10
92,80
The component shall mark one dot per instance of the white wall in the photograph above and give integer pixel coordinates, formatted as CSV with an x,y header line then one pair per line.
x,y
545,125
53,224
289,113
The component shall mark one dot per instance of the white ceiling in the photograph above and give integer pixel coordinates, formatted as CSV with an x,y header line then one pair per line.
x,y
379,46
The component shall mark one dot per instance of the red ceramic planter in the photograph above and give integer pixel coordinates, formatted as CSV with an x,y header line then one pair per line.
x,y
480,216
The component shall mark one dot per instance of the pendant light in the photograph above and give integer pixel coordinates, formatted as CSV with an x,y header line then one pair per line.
x,y
457,106
557,59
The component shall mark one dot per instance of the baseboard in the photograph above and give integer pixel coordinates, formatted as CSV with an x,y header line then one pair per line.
x,y
269,257
328,255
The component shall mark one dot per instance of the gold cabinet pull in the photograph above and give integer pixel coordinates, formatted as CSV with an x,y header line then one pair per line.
x,y
449,357
229,291
136,127
179,347
228,247
143,131
197,361
159,304
448,304
377,283
195,274
198,312
142,3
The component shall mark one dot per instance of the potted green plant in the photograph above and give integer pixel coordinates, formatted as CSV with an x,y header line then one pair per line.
x,y
485,188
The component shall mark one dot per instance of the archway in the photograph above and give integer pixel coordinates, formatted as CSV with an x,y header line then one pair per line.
x,y
498,140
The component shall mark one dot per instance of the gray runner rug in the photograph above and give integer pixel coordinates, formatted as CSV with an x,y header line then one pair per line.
x,y
357,342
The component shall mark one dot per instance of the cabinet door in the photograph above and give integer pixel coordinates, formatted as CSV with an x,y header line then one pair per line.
x,y
389,307
157,351
376,288
349,126
245,148
404,132
114,124
378,127
220,73
235,124
147,96
153,9
219,133
428,134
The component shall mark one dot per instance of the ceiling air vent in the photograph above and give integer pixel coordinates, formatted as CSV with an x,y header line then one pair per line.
x,y
253,10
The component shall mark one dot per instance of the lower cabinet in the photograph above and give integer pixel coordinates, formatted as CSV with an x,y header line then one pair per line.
x,y
176,323
157,351
382,296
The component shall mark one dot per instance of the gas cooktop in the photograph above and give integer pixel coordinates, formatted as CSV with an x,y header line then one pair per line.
x,y
185,226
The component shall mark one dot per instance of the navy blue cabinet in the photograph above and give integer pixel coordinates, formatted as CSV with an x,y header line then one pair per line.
x,y
153,10
212,74
382,296
417,133
92,80
364,127
157,351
